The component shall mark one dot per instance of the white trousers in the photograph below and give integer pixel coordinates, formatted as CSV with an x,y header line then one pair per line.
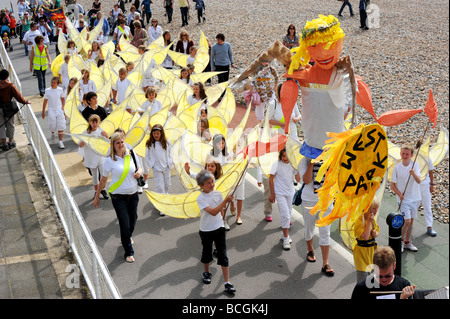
x,y
426,202
310,224
162,181
285,207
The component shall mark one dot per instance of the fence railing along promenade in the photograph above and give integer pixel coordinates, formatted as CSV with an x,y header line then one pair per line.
x,y
93,268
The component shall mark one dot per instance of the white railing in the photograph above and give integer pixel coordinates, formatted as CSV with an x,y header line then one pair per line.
x,y
95,272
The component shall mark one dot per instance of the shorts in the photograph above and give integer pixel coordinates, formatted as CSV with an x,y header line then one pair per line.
x,y
409,209
218,237
56,120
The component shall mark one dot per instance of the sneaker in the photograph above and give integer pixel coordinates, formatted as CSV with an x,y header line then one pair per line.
x,y
61,145
268,219
161,214
145,186
225,224
410,246
431,232
5,147
140,190
104,194
287,243
403,246
207,277
288,237
11,145
229,288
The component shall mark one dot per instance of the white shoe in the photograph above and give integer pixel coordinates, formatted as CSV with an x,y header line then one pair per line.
x,y
140,190
61,145
225,224
403,246
288,237
410,247
161,214
287,243
145,186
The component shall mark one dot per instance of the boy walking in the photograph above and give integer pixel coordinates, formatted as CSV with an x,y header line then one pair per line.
x,y
211,204
408,192
54,97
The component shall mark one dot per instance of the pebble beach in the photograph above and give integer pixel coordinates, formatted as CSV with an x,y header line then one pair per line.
x,y
403,55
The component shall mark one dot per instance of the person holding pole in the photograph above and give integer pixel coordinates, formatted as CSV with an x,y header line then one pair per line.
x,y
407,191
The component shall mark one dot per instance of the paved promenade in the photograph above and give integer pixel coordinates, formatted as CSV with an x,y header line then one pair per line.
x,y
168,250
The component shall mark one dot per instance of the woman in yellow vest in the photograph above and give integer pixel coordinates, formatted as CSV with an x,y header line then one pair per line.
x,y
39,60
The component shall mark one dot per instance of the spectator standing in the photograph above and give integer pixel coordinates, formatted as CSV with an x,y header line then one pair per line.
x,y
154,31
200,7
28,37
291,39
45,30
184,8
168,5
185,43
106,27
7,92
146,10
221,58
363,14
344,4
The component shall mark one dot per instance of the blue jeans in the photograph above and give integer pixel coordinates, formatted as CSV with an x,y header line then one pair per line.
x,y
126,212
41,80
184,15
346,3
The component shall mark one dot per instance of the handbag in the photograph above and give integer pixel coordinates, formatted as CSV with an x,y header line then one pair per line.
x,y
9,109
140,180
297,199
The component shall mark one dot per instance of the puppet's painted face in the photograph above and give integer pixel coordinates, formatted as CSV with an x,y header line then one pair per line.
x,y
326,59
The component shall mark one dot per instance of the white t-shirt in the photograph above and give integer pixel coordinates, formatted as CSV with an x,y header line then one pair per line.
x,y
158,158
92,159
276,113
89,87
54,98
283,181
29,37
120,33
121,88
212,199
154,106
400,176
154,33
64,75
115,168
190,60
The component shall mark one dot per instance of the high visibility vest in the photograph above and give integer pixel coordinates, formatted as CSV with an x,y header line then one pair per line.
x,y
40,59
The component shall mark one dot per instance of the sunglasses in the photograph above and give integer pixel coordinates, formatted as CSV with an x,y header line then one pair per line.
x,y
381,276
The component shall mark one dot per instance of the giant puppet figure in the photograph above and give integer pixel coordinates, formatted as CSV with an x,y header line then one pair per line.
x,y
326,88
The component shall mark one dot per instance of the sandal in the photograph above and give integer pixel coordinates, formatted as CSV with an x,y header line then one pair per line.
x,y
310,257
130,259
327,270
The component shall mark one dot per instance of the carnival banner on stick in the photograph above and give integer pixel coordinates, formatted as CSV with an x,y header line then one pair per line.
x,y
354,164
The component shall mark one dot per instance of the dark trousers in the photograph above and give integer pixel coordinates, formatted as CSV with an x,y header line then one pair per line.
x,y
148,16
346,3
41,80
223,77
184,15
199,14
363,18
169,12
126,212
218,237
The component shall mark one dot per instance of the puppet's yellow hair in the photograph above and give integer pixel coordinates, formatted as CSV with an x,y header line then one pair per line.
x,y
321,30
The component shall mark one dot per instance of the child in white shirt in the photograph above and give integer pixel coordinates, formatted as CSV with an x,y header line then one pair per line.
x,y
282,189
92,160
408,192
192,54
157,157
120,89
211,204
152,103
64,72
54,97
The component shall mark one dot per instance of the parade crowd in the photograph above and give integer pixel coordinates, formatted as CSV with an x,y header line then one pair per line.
x,y
135,22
